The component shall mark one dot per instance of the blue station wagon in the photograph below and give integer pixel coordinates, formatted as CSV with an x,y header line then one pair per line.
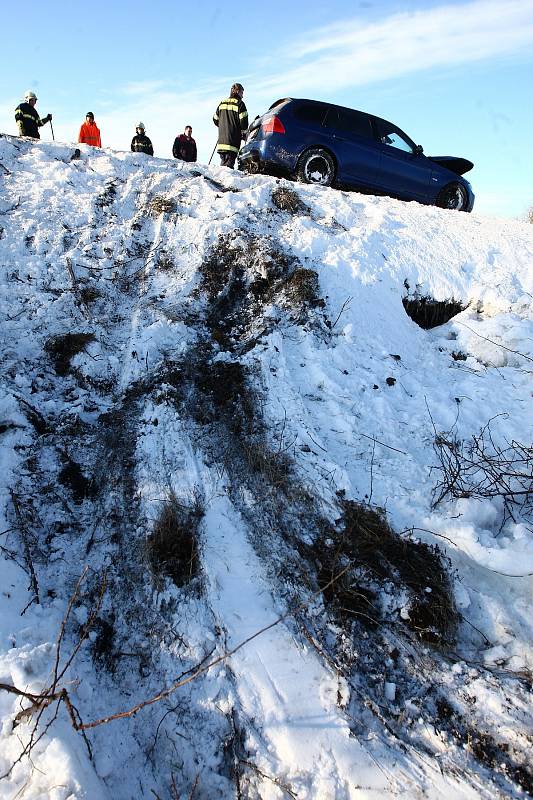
x,y
330,145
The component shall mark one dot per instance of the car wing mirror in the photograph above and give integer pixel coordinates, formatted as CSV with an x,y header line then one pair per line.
x,y
419,150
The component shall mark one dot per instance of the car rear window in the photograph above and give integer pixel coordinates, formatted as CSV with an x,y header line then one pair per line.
x,y
279,103
348,121
311,112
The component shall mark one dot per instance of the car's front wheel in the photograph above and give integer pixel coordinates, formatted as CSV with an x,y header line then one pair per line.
x,y
316,166
453,196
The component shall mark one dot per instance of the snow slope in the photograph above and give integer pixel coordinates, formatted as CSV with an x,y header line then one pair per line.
x,y
251,370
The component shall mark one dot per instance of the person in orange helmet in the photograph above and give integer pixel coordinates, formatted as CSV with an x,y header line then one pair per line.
x,y
89,132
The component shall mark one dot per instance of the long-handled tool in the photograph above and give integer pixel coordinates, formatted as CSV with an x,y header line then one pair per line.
x,y
52,129
212,154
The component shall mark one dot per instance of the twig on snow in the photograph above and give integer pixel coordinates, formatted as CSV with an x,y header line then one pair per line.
x,y
199,670
343,307
497,344
377,441
447,538
26,545
277,781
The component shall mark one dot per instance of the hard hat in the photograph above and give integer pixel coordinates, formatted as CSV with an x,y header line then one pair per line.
x,y
30,95
141,126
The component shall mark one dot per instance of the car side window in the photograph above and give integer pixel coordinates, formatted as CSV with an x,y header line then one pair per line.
x,y
392,137
311,112
346,121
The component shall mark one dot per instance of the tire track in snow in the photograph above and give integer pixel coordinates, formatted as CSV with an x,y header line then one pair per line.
x,y
278,681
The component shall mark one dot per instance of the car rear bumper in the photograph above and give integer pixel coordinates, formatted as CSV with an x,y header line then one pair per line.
x,y
268,155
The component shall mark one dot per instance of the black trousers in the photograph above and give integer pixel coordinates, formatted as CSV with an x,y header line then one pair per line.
x,y
227,159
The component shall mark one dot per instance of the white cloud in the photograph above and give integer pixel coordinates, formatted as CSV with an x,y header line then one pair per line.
x,y
351,53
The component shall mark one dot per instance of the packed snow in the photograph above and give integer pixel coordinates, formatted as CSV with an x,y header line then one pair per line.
x,y
235,352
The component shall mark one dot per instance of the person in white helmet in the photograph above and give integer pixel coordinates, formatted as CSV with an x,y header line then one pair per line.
x,y
27,117
140,142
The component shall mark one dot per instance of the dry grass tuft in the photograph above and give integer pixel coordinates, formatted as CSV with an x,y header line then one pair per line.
x,y
287,199
172,547
383,564
302,288
274,467
165,263
162,205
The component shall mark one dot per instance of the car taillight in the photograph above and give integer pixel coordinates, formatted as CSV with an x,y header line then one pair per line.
x,y
273,125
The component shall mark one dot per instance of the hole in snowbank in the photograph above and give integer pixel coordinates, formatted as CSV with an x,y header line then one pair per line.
x,y
429,313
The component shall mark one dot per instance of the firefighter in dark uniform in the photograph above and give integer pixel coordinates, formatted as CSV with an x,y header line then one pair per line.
x,y
27,117
231,119
140,142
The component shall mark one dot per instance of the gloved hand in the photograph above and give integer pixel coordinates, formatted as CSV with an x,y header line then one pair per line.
x,y
49,118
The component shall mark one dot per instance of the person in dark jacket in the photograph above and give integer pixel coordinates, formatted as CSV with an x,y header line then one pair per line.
x,y
231,119
140,142
27,117
184,146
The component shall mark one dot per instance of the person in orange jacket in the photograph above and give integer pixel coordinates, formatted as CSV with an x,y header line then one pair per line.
x,y
89,132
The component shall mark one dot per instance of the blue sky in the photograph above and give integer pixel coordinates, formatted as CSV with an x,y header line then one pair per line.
x,y
456,76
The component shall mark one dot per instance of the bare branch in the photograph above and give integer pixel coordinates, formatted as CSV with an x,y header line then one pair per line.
x,y
26,545
201,669
343,307
497,344
480,468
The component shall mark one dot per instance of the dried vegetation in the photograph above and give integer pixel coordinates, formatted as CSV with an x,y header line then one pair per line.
x,y
162,205
172,548
64,347
286,199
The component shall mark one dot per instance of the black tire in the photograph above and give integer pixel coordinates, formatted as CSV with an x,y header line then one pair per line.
x,y
316,166
453,197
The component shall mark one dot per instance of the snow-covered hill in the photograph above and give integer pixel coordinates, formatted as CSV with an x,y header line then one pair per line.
x,y
230,488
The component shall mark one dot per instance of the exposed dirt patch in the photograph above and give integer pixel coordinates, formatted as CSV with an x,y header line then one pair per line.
x,y
302,288
63,348
216,268
484,747
241,275
103,644
89,294
165,263
71,476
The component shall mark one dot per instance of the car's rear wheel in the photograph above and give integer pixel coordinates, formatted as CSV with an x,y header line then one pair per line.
x,y
453,196
316,166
